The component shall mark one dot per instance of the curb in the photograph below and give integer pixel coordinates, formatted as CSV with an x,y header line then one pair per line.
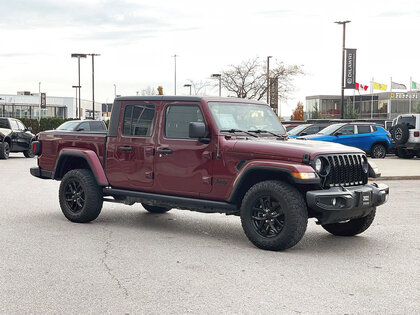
x,y
395,178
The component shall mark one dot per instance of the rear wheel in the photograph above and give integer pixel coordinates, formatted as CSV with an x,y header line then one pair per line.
x,y
155,209
351,227
28,153
405,153
80,196
4,150
274,215
378,151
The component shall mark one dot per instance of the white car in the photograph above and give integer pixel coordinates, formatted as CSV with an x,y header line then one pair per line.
x,y
406,135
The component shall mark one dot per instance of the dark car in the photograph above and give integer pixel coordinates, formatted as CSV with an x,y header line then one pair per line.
x,y
14,137
83,125
306,129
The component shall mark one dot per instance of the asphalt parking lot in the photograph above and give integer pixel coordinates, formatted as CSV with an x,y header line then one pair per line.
x,y
131,262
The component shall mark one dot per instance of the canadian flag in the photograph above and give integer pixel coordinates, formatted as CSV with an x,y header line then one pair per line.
x,y
361,87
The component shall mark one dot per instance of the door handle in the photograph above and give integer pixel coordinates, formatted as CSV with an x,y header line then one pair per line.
x,y
164,151
126,148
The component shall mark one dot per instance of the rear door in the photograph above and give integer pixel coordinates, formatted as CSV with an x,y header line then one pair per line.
x,y
130,154
183,166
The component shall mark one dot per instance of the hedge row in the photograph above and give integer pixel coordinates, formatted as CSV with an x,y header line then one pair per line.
x,y
44,124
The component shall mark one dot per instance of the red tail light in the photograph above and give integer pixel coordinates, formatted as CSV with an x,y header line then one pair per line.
x,y
36,147
416,133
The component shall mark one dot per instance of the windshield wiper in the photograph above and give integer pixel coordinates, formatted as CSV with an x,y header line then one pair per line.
x,y
271,133
238,130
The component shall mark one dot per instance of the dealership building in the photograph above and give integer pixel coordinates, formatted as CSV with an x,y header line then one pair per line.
x,y
384,105
27,105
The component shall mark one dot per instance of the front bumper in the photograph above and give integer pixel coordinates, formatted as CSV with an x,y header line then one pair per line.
x,y
344,203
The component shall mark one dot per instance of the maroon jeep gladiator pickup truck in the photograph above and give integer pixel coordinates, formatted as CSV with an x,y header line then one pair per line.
x,y
209,154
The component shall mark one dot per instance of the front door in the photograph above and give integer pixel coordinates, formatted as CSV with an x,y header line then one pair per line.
x,y
182,165
130,155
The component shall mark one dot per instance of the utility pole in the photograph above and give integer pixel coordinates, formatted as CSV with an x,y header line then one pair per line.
x,y
175,73
78,56
93,83
268,80
342,66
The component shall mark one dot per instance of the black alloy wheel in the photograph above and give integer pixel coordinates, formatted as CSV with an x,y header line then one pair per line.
x,y
378,151
4,150
75,196
267,216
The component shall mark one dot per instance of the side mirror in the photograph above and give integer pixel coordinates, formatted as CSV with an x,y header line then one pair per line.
x,y
29,128
198,130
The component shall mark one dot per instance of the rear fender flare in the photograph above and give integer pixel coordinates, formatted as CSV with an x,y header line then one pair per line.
x,y
89,156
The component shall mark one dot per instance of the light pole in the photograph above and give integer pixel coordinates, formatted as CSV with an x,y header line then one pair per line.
x,y
78,56
77,110
115,90
268,79
342,66
39,90
175,73
188,85
93,82
218,76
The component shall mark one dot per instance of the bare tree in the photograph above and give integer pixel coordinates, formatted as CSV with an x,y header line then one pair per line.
x,y
249,78
148,91
198,87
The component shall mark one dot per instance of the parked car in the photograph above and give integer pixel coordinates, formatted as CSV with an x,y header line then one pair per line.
x,y
369,137
306,129
14,137
210,155
83,126
290,126
405,133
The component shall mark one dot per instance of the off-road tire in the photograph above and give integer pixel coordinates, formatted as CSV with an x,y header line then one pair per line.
x,y
401,133
80,196
155,209
351,227
28,153
4,150
405,153
378,151
291,222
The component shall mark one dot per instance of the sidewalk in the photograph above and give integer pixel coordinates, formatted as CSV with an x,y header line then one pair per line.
x,y
394,168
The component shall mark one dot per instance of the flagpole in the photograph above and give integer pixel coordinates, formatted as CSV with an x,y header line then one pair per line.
x,y
409,97
371,103
390,99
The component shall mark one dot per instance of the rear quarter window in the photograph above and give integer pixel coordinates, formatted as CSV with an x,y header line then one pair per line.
x,y
363,129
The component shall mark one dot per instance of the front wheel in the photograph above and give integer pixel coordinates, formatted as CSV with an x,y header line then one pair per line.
x,y
378,151
274,215
405,153
351,227
80,196
4,150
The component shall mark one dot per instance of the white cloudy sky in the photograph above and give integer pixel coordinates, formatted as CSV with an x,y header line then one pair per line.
x,y
136,40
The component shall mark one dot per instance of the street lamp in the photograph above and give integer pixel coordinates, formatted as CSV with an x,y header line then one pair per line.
x,y
218,76
77,109
78,56
93,83
268,79
342,65
175,73
188,85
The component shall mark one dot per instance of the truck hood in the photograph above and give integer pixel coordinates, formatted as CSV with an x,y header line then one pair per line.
x,y
4,132
290,148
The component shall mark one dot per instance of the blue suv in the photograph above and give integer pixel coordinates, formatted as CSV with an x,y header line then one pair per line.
x,y
369,137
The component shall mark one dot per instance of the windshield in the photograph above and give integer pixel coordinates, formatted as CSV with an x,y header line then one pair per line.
x,y
242,116
330,129
69,125
297,129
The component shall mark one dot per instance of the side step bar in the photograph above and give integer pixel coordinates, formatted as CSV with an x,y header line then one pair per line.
x,y
199,205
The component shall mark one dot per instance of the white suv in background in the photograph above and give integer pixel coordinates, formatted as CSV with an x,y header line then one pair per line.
x,y
406,135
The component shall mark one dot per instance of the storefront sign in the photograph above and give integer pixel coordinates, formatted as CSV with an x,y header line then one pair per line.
x,y
402,96
350,79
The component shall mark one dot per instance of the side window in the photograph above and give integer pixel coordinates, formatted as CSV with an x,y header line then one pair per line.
x,y
311,130
21,125
4,123
138,120
84,126
14,125
96,126
363,129
178,118
374,128
347,130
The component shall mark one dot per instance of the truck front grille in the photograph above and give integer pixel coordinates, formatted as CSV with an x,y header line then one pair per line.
x,y
346,170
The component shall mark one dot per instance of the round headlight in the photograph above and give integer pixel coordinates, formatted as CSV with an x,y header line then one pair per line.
x,y
318,165
365,165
